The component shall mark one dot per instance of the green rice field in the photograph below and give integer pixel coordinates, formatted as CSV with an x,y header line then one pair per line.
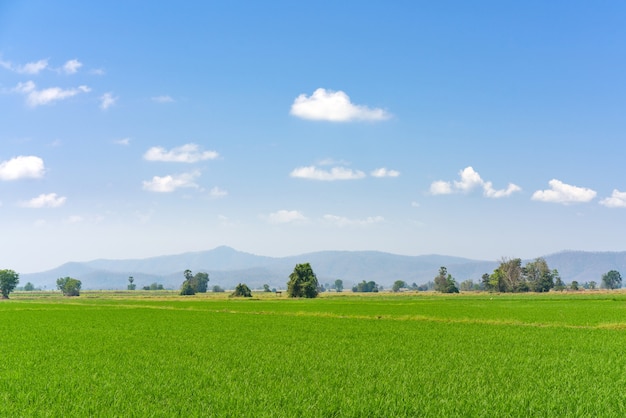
x,y
135,354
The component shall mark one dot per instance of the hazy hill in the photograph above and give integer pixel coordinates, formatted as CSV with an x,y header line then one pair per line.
x,y
227,267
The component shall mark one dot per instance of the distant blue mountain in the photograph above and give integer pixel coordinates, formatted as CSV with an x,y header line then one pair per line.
x,y
227,267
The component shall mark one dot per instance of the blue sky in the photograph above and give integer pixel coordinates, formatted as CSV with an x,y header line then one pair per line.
x,y
477,129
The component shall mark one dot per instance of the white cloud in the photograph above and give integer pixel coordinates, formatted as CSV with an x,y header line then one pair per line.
x,y
97,71
334,106
188,153
50,200
286,216
560,192
415,204
470,180
440,187
489,191
383,172
123,141
163,99
36,97
216,192
335,173
170,183
617,200
29,68
343,221
107,100
72,66
22,167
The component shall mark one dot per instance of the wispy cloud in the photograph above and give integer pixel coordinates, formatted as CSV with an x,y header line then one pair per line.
x,y
170,183
122,141
217,193
334,106
343,221
383,172
29,68
617,200
107,100
50,200
469,180
72,66
335,173
36,97
560,192
22,167
188,153
286,216
163,99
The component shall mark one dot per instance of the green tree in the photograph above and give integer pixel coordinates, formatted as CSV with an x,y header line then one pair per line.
x,y
444,282
592,284
131,285
29,287
8,280
266,288
242,290
467,285
187,289
612,280
538,276
397,285
339,285
302,282
574,285
366,287
69,286
217,289
558,284
200,282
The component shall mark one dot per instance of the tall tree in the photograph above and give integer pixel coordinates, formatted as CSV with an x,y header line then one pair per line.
x,y
8,280
302,282
131,285
200,282
612,280
444,282
538,275
339,285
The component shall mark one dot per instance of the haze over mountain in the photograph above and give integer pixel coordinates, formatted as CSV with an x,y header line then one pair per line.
x,y
227,267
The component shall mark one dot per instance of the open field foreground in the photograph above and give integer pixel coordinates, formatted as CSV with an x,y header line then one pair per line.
x,y
125,354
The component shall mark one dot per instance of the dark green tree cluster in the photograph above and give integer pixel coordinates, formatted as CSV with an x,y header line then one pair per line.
x,y
366,287
444,282
302,282
194,284
511,276
131,284
153,286
339,285
242,290
8,280
69,286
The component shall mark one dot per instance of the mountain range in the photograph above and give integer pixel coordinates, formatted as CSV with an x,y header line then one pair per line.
x,y
227,267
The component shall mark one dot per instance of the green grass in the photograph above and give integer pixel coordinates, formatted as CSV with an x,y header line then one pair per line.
x,y
118,354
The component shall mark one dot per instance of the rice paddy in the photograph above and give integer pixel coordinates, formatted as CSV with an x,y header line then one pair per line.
x,y
137,354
